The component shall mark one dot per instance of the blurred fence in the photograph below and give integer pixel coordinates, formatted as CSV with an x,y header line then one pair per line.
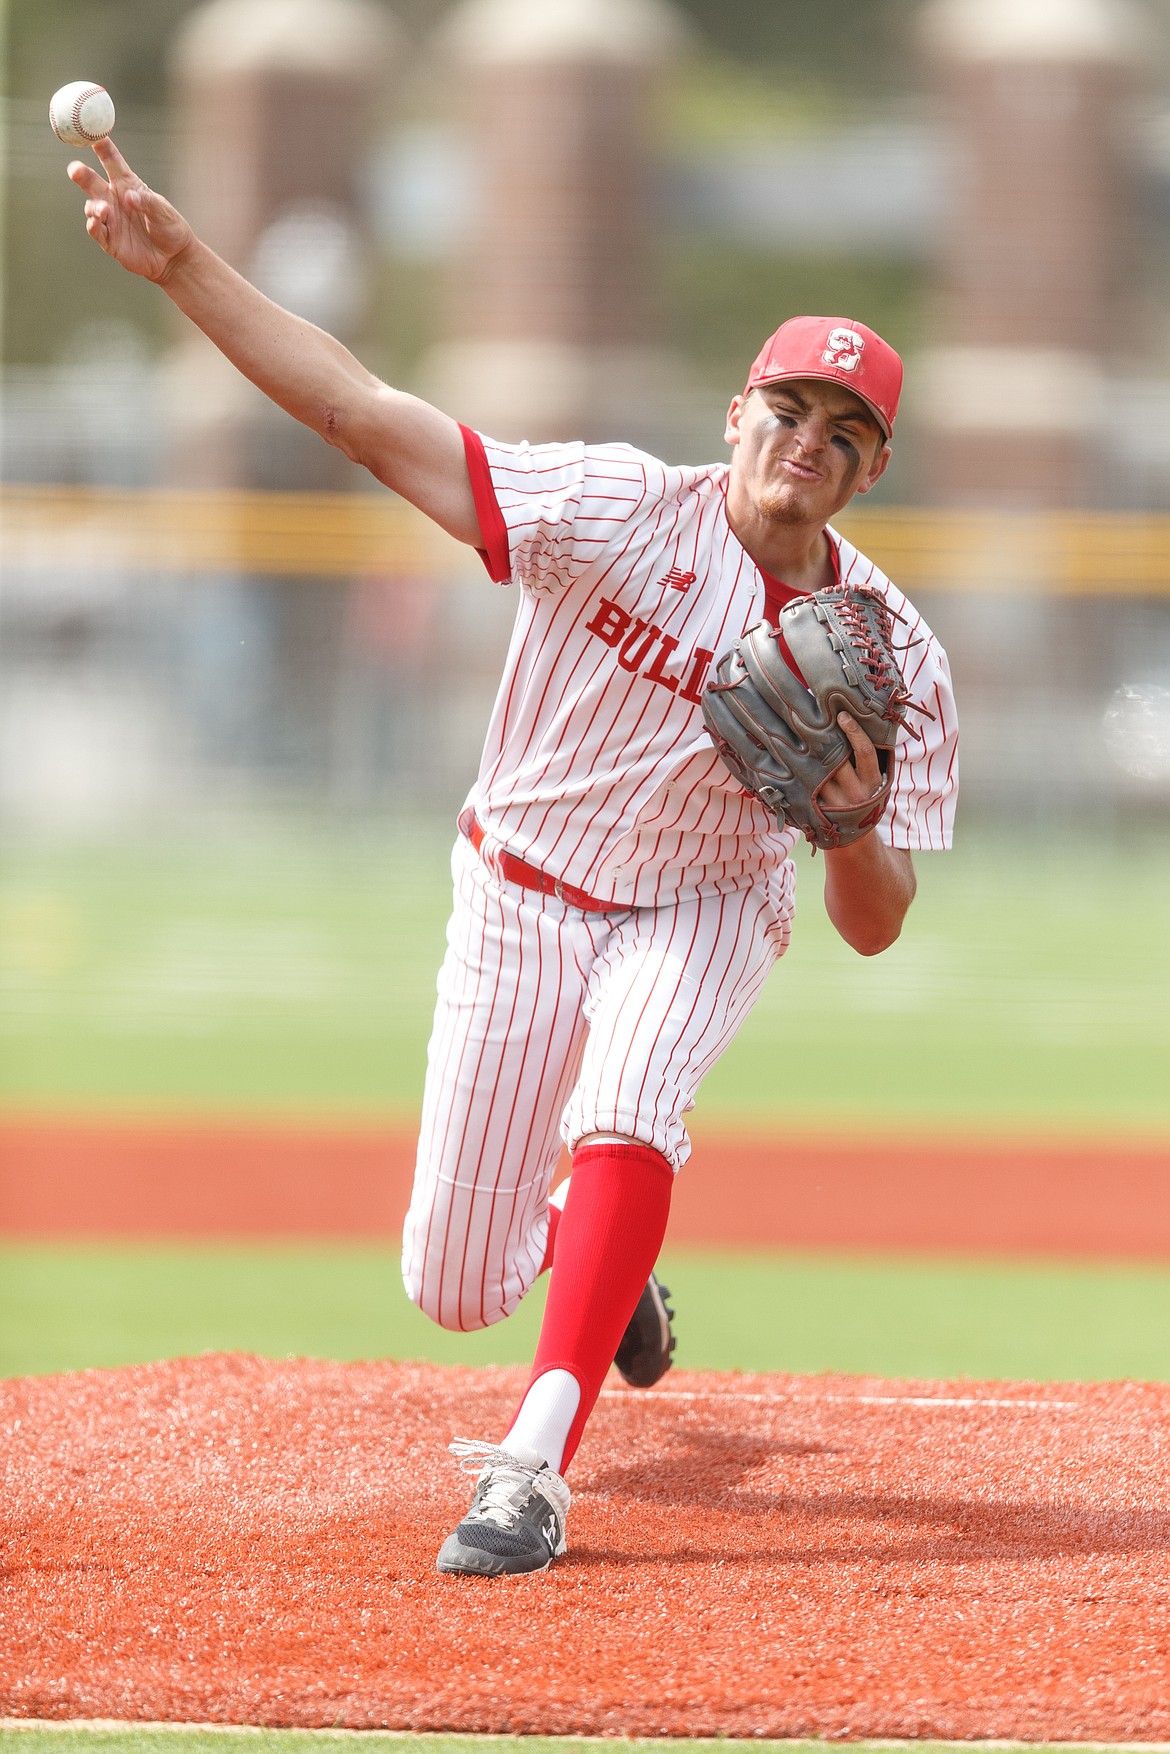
x,y
330,535
337,535
167,648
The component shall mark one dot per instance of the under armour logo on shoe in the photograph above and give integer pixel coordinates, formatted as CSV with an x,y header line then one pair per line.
x,y
677,578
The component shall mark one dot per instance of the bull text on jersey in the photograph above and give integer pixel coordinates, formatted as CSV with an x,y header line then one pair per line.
x,y
634,640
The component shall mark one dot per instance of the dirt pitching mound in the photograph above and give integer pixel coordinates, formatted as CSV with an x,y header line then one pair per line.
x,y
233,1540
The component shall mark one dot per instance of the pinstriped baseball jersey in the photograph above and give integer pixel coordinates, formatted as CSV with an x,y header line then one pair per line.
x,y
597,766
554,1022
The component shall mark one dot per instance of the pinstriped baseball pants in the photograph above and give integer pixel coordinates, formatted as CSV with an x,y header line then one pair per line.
x,y
551,1024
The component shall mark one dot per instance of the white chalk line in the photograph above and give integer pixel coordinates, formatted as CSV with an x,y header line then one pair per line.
x,y
246,1732
781,1399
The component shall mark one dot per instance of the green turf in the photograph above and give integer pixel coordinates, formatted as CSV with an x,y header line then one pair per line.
x,y
287,971
71,1308
295,970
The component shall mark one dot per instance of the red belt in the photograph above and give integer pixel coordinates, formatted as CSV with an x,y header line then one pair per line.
x,y
514,870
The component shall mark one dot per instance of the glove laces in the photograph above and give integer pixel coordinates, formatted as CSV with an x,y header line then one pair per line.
x,y
857,610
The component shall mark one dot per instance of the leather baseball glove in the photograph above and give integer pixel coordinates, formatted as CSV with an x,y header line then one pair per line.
x,y
771,707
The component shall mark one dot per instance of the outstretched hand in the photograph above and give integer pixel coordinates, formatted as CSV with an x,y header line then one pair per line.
x,y
135,226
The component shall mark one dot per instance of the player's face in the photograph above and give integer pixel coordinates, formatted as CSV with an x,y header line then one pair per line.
x,y
802,449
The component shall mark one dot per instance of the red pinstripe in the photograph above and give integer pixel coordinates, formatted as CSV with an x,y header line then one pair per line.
x,y
494,1087
639,1033
565,1071
431,1215
515,1206
447,1123
632,1028
659,1115
477,1076
699,1059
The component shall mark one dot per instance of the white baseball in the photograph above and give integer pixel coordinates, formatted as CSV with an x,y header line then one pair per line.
x,y
81,113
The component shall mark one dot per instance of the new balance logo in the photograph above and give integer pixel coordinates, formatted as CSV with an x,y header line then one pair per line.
x,y
677,578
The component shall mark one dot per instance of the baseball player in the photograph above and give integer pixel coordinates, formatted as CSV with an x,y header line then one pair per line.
x,y
619,897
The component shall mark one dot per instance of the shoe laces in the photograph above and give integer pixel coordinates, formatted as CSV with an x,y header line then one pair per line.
x,y
506,1481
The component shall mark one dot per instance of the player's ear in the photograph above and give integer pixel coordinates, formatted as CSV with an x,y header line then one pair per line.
x,y
731,432
877,469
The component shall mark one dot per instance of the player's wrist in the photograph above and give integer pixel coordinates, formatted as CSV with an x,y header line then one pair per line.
x,y
862,852
189,270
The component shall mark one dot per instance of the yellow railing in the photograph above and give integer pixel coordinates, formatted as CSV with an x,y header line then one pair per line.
x,y
1081,553
338,536
325,535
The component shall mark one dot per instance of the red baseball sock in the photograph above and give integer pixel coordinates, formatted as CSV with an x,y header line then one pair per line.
x,y
607,1241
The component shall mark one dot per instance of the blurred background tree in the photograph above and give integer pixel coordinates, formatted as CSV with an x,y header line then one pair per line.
x,y
760,73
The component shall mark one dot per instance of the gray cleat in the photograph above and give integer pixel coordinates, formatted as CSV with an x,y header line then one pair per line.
x,y
516,1522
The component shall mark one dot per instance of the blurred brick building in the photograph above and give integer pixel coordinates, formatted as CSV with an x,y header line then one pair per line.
x,y
551,318
1035,255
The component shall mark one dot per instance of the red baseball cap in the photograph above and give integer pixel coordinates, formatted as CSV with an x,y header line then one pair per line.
x,y
840,350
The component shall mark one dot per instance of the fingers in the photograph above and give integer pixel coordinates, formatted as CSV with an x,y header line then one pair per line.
x,y
98,193
103,197
86,178
99,219
854,733
148,202
855,781
115,164
864,754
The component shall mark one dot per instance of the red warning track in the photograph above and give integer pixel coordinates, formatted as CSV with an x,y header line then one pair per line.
x,y
239,1541
200,1178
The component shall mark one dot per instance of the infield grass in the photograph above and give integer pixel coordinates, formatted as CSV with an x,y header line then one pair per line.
x,y
293,970
79,1307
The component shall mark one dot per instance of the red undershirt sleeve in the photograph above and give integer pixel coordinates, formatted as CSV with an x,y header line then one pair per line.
x,y
493,529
